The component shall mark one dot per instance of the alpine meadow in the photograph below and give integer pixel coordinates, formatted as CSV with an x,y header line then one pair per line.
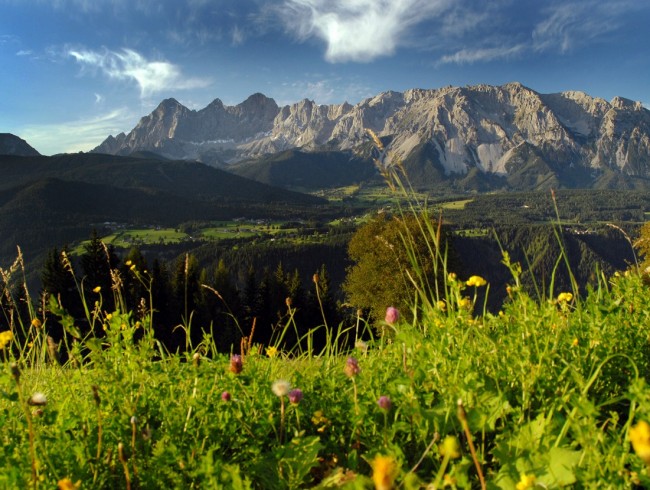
x,y
418,260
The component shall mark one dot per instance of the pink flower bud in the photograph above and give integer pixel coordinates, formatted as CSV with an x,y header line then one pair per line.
x,y
225,396
351,367
392,315
384,402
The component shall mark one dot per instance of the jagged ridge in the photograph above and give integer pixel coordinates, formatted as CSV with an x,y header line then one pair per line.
x,y
493,129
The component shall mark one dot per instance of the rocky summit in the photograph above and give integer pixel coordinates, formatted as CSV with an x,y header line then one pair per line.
x,y
11,144
495,130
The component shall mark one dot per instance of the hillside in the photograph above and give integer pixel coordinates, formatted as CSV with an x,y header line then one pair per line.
x,y
307,170
52,201
11,144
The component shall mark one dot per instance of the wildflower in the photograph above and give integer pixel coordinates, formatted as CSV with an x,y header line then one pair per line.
x,y
384,402
225,396
640,439
362,346
449,481
236,364
392,315
441,305
128,263
575,342
564,297
451,277
351,368
38,399
66,484
281,387
384,472
526,481
271,351
476,281
465,302
295,396
5,337
36,323
450,448
97,289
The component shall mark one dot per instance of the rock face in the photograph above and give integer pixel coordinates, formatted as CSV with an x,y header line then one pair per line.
x,y
490,129
11,144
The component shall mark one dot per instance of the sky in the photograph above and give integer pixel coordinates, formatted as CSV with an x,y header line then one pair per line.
x,y
75,71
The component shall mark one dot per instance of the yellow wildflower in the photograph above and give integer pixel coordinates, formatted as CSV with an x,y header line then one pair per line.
x,y
66,484
451,277
640,439
128,263
575,342
36,323
272,351
564,297
476,281
526,481
384,472
97,289
441,305
465,302
450,447
5,337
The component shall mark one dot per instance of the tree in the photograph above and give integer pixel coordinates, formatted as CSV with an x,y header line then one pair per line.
x,y
389,254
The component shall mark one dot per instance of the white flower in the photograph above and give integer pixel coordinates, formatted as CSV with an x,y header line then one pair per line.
x,y
281,387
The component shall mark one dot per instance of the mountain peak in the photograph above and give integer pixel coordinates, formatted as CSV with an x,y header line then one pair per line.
x,y
10,144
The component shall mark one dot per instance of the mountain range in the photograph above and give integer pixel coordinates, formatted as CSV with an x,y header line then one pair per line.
x,y
479,137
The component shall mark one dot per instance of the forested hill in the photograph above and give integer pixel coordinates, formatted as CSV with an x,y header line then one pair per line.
x,y
52,201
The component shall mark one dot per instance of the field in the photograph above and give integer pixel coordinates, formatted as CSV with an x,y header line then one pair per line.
x,y
547,393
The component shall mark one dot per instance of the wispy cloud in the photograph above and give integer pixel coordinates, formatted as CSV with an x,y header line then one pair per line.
x,y
357,30
151,76
484,54
79,135
24,52
572,24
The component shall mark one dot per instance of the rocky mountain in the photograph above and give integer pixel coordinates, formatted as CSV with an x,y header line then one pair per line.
x,y
10,144
477,132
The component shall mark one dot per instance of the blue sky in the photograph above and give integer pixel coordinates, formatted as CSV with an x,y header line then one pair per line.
x,y
75,71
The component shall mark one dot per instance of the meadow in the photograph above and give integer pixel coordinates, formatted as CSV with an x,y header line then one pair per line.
x,y
551,391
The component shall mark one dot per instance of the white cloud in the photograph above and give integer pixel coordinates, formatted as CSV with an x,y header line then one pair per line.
x,y
151,76
24,52
483,54
78,135
322,91
357,30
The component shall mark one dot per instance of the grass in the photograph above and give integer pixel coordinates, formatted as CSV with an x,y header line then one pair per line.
x,y
544,394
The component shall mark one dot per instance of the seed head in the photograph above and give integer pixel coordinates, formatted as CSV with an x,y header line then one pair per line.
x,y
38,399
281,387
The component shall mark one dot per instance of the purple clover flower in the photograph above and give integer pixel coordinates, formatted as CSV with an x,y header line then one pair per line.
x,y
351,367
384,402
295,396
392,315
236,364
